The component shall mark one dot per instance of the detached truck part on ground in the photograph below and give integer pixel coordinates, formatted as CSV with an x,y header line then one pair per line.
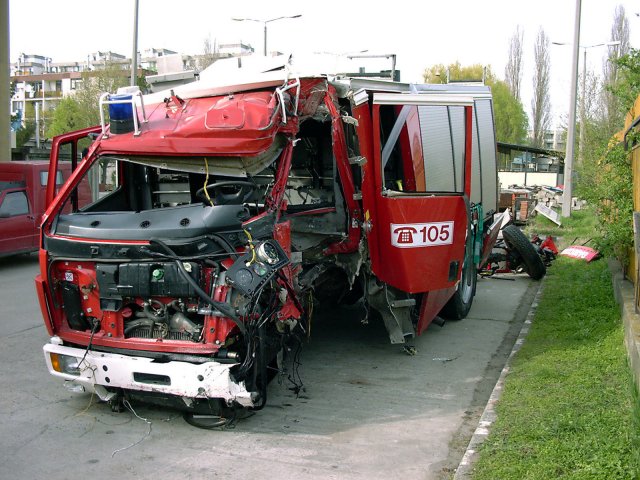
x,y
221,211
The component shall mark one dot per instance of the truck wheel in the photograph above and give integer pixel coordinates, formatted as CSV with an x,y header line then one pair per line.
x,y
459,305
520,247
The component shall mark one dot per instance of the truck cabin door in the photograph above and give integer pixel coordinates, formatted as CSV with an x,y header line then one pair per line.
x,y
69,147
422,165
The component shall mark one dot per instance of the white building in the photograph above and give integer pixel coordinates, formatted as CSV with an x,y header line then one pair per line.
x,y
553,139
37,80
100,60
30,65
44,90
151,56
234,50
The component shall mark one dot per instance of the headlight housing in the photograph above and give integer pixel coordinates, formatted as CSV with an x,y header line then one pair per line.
x,y
65,364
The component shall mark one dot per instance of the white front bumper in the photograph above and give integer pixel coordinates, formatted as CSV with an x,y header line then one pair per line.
x,y
189,381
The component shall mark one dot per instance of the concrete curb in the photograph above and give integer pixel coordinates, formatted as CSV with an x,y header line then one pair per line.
x,y
624,294
465,468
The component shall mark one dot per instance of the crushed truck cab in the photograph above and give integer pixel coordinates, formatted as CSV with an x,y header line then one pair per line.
x,y
221,212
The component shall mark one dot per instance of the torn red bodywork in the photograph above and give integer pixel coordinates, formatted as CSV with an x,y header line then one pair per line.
x,y
213,227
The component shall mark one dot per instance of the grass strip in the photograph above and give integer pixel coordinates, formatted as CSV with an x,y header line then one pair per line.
x,y
569,408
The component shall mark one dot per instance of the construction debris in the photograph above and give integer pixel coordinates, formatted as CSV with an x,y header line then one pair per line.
x,y
581,253
526,201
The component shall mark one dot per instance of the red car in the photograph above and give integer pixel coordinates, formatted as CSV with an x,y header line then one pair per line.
x,y
22,202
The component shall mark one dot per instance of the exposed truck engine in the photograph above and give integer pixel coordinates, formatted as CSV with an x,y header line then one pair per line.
x,y
220,212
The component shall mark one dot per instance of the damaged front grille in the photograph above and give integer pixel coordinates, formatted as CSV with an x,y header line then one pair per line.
x,y
159,332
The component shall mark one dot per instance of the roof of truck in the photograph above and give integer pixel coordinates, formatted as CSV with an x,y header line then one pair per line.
x,y
235,75
242,74
230,110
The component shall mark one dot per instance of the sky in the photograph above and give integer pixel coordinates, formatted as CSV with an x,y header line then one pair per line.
x,y
421,34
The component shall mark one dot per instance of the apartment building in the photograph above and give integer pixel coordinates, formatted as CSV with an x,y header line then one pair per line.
x,y
39,83
555,140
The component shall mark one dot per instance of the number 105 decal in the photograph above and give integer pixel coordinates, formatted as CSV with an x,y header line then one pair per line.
x,y
411,235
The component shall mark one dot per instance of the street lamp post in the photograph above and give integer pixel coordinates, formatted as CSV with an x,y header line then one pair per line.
x,y
264,22
584,89
582,112
567,196
5,110
134,55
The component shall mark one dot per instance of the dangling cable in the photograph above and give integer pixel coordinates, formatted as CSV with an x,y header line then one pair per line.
x,y
226,309
253,249
206,180
145,420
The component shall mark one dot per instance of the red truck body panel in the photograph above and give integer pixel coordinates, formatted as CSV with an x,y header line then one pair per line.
x,y
200,236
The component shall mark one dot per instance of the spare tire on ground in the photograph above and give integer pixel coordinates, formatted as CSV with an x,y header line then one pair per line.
x,y
523,252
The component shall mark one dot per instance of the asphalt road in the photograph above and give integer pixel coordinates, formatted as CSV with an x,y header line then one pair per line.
x,y
368,411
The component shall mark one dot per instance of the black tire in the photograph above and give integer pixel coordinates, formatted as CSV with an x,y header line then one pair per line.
x,y
522,249
459,305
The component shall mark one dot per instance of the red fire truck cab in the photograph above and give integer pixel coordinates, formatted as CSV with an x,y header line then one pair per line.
x,y
220,212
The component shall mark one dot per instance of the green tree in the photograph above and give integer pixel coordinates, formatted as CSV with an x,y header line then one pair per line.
x,y
510,117
458,73
608,185
66,118
23,134
209,53
513,70
605,178
541,101
611,102
627,86
82,109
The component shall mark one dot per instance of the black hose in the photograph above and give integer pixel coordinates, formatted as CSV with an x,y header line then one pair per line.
x,y
224,308
261,370
224,243
188,258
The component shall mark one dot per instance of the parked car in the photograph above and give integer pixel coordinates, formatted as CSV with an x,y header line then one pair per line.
x,y
22,202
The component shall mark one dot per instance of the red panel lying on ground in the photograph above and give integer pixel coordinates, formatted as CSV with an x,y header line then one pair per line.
x,y
580,252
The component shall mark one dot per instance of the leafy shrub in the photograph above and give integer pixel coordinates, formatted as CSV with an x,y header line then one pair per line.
x,y
609,187
23,134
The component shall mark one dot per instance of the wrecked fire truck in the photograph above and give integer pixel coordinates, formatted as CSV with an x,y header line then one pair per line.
x,y
222,209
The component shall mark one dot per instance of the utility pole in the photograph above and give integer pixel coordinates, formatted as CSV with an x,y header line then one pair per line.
x,y
582,113
5,112
583,119
265,40
567,197
134,55
37,108
43,109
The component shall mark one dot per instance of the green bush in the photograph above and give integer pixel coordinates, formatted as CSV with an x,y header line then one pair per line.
x,y
608,186
23,134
